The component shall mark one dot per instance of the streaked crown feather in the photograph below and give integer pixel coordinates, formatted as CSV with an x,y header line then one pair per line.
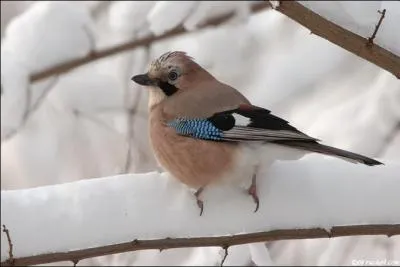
x,y
160,61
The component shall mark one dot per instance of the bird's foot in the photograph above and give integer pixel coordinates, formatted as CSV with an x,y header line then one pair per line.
x,y
199,201
252,191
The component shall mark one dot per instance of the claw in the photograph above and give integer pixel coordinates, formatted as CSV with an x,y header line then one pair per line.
x,y
199,201
252,191
201,206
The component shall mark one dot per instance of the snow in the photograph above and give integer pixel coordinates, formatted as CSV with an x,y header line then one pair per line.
x,y
260,254
129,16
303,194
211,9
48,33
95,92
14,98
274,4
160,20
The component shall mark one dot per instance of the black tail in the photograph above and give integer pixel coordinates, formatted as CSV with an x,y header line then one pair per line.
x,y
332,151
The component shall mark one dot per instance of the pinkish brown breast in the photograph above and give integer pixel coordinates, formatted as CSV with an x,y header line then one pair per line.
x,y
194,162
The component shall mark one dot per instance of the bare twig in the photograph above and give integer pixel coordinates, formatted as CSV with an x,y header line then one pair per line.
x,y
31,108
371,39
220,241
41,98
28,102
340,36
225,248
69,65
92,39
132,110
10,261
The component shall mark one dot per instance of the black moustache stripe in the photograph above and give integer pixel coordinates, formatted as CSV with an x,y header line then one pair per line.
x,y
167,88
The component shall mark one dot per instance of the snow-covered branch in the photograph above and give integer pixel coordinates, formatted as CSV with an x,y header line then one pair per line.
x,y
309,198
358,45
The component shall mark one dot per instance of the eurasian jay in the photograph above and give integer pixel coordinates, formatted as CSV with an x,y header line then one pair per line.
x,y
203,131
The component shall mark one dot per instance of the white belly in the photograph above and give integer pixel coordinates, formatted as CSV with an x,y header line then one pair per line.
x,y
253,156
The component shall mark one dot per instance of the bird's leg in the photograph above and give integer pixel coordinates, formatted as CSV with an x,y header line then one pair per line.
x,y
199,201
252,191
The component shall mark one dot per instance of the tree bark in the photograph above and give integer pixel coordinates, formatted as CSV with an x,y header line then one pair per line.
x,y
221,241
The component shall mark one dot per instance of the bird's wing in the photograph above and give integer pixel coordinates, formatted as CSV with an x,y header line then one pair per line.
x,y
246,122
203,100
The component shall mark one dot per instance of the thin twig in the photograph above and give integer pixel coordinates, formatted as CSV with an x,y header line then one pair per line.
x,y
69,65
225,248
91,38
132,110
31,108
28,101
219,241
41,98
371,39
10,259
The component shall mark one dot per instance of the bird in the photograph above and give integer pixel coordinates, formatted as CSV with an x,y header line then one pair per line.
x,y
205,132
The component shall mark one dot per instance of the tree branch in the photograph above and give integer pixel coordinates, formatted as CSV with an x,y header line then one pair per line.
x,y
340,36
309,19
221,241
95,55
10,261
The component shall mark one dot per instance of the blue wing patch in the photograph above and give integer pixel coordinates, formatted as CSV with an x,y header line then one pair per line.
x,y
197,128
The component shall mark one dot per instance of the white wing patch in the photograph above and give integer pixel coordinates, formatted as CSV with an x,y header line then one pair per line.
x,y
241,120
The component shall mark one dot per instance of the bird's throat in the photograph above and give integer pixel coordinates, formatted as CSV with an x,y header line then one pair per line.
x,y
155,96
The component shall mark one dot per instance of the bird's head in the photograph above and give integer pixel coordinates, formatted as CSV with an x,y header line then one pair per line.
x,y
172,72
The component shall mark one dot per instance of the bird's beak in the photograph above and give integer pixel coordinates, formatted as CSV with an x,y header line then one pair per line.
x,y
143,79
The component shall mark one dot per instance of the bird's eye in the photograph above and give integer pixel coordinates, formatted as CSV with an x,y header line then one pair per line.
x,y
172,76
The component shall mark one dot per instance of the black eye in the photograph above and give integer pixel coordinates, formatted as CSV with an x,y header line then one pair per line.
x,y
172,76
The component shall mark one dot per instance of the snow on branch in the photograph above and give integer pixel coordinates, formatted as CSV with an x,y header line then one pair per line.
x,y
348,40
309,198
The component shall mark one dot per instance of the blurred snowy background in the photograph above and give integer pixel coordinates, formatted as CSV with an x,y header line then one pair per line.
x,y
92,121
